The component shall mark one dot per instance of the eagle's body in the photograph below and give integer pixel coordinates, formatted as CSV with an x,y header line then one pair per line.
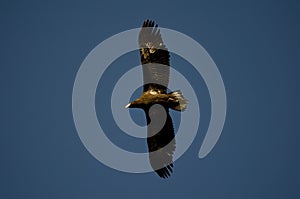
x,y
156,101
151,97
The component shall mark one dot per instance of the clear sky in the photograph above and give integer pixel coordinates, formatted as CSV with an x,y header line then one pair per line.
x,y
255,45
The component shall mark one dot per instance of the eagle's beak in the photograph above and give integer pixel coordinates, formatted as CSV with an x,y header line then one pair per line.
x,y
127,106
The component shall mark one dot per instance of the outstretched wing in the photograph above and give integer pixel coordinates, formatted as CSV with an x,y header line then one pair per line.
x,y
161,145
155,58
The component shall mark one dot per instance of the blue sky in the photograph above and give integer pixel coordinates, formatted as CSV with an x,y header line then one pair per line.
x,y
255,45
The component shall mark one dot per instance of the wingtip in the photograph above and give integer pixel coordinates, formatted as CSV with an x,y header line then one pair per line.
x,y
165,172
149,23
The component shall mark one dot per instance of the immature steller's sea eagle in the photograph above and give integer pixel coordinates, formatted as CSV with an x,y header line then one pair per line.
x,y
155,101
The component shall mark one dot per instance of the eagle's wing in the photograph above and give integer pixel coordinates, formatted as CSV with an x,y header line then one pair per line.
x,y
161,145
155,58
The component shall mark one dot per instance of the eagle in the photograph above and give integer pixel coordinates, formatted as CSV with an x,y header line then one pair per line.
x,y
156,100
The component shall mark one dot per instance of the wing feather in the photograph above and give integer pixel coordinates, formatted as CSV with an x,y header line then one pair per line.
x,y
155,58
162,143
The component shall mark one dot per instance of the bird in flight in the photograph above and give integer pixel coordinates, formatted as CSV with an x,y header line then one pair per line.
x,y
156,100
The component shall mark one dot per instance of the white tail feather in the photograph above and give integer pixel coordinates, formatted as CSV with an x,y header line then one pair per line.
x,y
178,97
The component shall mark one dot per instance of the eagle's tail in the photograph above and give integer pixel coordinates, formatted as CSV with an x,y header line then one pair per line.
x,y
179,102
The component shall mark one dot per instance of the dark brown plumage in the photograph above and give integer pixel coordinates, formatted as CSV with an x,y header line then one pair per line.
x,y
155,100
